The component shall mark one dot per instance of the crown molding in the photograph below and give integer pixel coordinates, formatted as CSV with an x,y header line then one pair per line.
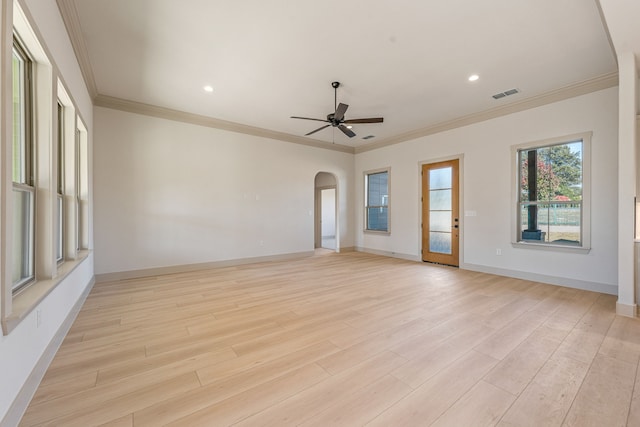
x,y
74,30
200,120
605,26
72,22
598,83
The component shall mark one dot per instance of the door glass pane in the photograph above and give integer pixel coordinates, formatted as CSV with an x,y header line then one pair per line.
x,y
440,178
440,242
440,221
440,210
440,200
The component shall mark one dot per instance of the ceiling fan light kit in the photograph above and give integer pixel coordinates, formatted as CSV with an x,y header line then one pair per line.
x,y
336,119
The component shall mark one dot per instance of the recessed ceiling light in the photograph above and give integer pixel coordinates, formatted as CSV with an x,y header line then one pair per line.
x,y
473,77
349,127
208,88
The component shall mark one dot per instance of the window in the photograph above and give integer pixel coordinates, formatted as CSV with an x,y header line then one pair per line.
x,y
82,186
22,171
553,192
377,200
59,234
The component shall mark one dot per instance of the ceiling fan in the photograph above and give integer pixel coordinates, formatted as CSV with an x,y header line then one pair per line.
x,y
336,119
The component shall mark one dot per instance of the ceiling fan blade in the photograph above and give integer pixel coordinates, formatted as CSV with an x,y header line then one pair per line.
x,y
309,118
369,120
314,131
339,114
346,131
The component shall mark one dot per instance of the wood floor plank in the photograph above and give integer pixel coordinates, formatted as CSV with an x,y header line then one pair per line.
x,y
334,390
634,410
225,380
433,360
605,395
362,406
374,344
342,339
518,368
425,404
249,402
126,421
483,405
623,340
108,403
547,399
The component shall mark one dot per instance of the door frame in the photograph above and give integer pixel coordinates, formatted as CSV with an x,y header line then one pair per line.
x,y
461,212
317,220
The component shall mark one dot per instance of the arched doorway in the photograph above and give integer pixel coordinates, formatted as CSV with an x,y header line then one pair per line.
x,y
326,208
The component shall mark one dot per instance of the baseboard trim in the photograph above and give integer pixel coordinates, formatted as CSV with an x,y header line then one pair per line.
x,y
347,249
543,278
628,310
398,255
184,268
28,390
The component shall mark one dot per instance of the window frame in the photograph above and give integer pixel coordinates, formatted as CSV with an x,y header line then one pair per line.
x,y
60,237
26,181
585,203
366,176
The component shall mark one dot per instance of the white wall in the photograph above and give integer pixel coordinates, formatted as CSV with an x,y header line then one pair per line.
x,y
486,189
169,193
328,204
21,350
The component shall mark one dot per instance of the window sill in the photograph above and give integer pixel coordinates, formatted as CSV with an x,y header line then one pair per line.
x,y
24,302
551,247
384,233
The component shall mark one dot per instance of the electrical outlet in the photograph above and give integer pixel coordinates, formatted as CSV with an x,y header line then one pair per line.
x,y
38,318
498,251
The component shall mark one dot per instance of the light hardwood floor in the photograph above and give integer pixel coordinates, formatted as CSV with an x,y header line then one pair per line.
x,y
342,339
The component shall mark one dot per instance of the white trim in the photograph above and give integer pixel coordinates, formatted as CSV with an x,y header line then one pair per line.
x,y
628,310
26,300
200,120
604,288
407,257
585,229
602,82
26,393
135,274
365,175
71,21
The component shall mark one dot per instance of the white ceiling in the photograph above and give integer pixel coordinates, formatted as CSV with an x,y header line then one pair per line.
x,y
406,60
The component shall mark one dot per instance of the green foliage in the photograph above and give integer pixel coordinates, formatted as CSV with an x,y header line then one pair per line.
x,y
559,174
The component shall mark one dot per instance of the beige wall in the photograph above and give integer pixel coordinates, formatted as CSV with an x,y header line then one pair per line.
x,y
170,193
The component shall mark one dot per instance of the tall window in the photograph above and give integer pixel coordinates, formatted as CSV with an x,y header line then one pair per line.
x,y
22,170
377,201
82,186
551,193
60,187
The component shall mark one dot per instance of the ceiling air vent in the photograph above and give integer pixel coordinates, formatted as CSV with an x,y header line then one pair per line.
x,y
368,137
505,93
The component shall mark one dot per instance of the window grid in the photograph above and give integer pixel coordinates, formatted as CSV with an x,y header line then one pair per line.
x,y
377,201
550,209
60,240
24,198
